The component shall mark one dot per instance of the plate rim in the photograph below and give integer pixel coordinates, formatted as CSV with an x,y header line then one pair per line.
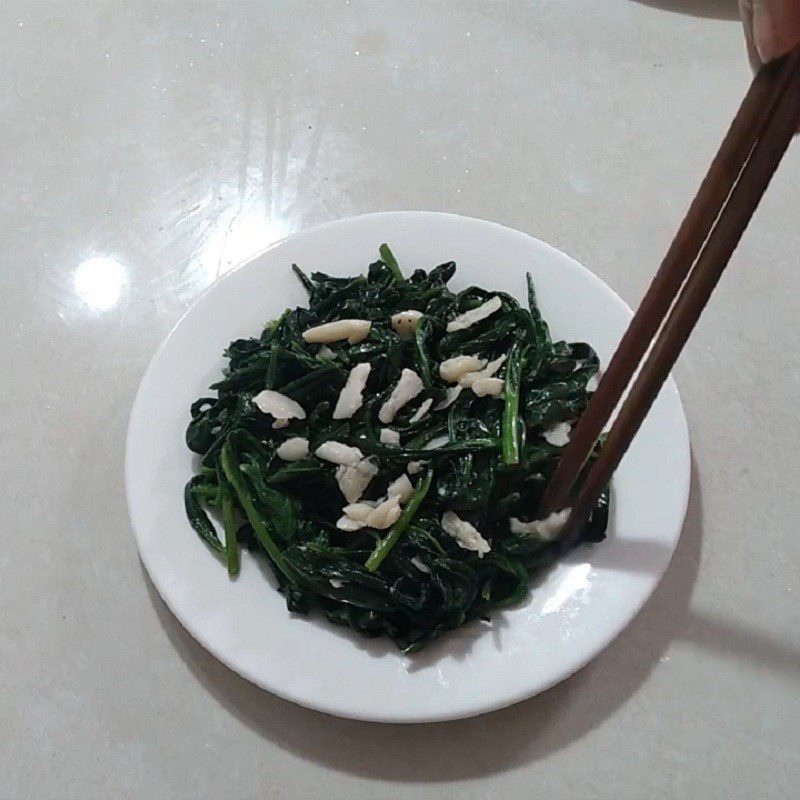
x,y
330,708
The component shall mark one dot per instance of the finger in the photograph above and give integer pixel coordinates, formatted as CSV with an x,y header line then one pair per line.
x,y
776,27
746,13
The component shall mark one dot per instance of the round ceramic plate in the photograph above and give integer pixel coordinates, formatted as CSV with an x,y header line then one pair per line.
x,y
571,614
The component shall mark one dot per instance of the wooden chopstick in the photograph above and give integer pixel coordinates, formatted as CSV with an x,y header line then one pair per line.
x,y
747,125
715,222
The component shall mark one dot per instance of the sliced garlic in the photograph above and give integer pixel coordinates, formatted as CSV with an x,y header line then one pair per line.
x,y
407,388
492,387
354,330
279,406
475,315
294,449
350,398
359,511
452,395
338,453
546,529
467,536
558,435
467,380
405,323
353,479
421,411
390,437
401,487
420,565
453,369
346,523
386,514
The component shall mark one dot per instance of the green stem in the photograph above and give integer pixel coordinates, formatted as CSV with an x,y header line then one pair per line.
x,y
540,330
511,411
389,452
421,336
308,284
230,466
198,518
387,256
310,379
231,545
385,545
272,369
205,491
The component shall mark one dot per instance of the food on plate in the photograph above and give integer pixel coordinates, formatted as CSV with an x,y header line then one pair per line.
x,y
386,450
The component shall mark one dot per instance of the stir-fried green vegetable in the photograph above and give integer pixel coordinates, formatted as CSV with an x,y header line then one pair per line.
x,y
409,557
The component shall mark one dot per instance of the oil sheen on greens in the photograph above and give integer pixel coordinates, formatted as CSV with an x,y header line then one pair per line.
x,y
490,460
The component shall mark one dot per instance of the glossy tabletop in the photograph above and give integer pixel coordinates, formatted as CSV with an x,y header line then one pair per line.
x,y
146,149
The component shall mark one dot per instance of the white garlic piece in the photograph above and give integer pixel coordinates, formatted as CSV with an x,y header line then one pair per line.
x,y
491,387
401,487
354,330
467,536
405,323
338,453
279,406
386,514
475,315
546,529
421,411
390,437
294,449
406,389
453,369
350,398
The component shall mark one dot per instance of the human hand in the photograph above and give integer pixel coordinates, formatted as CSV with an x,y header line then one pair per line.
x,y
771,28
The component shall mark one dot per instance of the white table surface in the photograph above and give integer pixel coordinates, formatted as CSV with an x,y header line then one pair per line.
x,y
176,140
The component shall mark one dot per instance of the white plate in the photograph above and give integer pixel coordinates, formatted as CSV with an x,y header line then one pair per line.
x,y
572,614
